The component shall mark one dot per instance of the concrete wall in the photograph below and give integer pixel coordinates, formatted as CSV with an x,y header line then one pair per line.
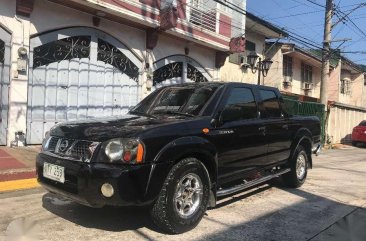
x,y
275,74
233,72
333,85
275,77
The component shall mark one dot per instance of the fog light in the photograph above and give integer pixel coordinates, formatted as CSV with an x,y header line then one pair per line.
x,y
107,190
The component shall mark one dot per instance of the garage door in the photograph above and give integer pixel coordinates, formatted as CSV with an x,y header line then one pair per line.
x,y
77,74
177,69
4,82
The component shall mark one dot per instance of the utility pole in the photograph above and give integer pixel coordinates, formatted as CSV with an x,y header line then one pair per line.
x,y
326,53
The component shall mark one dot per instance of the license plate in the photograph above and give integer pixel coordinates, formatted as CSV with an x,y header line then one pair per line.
x,y
54,172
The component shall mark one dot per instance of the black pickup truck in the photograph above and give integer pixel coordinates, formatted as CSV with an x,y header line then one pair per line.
x,y
180,149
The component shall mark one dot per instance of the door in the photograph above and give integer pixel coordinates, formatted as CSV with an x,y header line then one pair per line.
x,y
5,39
277,128
239,139
76,74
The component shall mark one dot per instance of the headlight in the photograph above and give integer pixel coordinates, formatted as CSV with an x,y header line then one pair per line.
x,y
123,150
114,150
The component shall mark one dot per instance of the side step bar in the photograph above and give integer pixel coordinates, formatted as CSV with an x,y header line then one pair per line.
x,y
237,188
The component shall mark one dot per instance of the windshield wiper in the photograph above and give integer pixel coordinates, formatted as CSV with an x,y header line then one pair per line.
x,y
141,113
178,113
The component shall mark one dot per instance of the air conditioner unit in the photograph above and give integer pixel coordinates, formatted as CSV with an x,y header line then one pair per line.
x,y
287,79
307,86
243,61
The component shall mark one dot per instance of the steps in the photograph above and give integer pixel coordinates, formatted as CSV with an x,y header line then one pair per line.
x,y
237,188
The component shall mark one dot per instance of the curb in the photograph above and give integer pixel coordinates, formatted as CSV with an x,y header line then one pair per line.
x,y
18,184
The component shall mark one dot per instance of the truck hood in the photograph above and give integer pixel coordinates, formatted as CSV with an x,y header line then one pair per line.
x,y
101,129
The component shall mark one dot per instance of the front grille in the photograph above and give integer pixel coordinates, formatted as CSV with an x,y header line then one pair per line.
x,y
78,150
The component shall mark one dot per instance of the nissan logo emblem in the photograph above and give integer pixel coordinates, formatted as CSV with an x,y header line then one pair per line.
x,y
63,145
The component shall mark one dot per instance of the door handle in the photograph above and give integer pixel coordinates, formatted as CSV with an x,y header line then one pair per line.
x,y
263,128
285,127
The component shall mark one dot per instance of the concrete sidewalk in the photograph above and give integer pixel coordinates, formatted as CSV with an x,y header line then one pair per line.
x,y
17,168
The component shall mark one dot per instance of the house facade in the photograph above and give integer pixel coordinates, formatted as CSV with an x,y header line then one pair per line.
x,y
76,59
297,72
236,67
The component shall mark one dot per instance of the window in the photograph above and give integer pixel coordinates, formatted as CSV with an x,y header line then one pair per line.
x,y
172,70
186,100
240,58
306,73
287,66
240,105
345,86
109,54
62,49
270,104
2,51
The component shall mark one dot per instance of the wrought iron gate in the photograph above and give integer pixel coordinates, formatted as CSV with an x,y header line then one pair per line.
x,y
178,69
76,74
5,39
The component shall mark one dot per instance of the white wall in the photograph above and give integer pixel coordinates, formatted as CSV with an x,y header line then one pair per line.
x,y
48,16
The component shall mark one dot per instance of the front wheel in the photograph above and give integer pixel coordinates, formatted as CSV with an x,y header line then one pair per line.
x,y
299,168
184,197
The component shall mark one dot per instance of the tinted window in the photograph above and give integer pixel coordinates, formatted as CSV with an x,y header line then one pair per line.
x,y
186,100
363,123
240,105
270,104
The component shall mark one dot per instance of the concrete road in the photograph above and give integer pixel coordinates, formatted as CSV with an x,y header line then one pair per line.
x,y
334,195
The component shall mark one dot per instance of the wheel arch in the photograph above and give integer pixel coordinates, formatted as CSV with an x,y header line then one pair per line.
x,y
179,149
304,138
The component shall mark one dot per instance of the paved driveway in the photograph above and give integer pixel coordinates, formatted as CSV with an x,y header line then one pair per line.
x,y
334,192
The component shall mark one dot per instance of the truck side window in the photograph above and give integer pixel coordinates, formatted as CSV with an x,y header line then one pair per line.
x,y
270,103
240,105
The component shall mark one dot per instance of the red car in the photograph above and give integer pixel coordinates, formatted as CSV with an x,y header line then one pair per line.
x,y
359,133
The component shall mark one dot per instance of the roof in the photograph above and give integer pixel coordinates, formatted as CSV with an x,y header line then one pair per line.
x,y
363,67
353,65
257,24
315,54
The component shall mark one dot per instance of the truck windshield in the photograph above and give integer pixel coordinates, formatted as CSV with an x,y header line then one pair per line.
x,y
181,100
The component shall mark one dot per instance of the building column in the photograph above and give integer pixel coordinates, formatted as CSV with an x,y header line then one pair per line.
x,y
18,88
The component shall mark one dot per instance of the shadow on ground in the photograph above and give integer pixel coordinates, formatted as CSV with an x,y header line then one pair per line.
x,y
114,219
312,218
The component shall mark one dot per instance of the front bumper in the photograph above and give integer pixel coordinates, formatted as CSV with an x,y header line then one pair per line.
x,y
83,182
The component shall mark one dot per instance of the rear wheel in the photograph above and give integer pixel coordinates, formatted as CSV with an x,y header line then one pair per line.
x,y
354,143
299,169
183,199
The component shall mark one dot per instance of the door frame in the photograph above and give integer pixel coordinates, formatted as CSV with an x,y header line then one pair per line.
x,y
4,124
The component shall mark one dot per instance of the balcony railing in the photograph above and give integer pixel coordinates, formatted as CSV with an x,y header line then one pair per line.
x,y
205,18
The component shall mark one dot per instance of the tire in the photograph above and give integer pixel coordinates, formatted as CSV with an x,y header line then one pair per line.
x,y
169,211
354,143
299,169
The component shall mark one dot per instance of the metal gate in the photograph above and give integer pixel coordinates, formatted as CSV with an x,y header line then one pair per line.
x,y
178,69
5,39
78,73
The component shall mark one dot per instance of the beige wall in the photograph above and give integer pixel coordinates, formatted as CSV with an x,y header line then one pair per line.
x,y
333,85
233,73
275,76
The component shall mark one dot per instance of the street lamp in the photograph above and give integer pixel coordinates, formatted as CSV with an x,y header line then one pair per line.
x,y
261,66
